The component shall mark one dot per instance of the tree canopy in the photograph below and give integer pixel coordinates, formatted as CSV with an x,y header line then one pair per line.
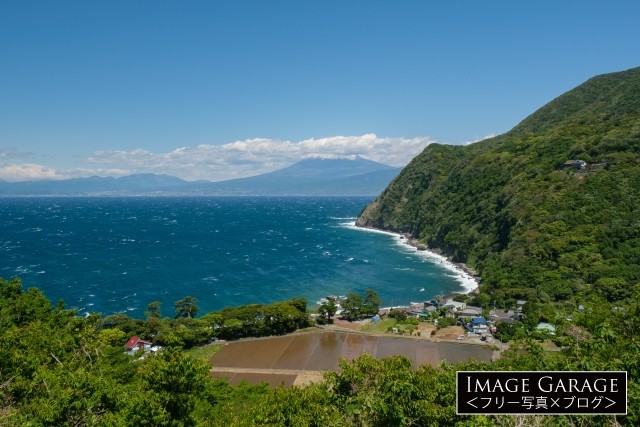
x,y
186,307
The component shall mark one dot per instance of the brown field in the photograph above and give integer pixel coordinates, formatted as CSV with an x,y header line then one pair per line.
x,y
300,358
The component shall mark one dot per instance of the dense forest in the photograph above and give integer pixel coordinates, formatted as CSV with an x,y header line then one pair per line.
x,y
549,210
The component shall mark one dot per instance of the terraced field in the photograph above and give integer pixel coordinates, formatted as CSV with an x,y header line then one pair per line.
x,y
300,358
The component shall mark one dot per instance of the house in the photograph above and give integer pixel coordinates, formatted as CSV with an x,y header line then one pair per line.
x,y
470,311
479,325
431,303
136,344
520,303
454,305
414,313
430,309
503,316
546,327
574,164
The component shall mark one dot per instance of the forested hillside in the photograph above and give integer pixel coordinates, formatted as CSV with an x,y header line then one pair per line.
x,y
523,210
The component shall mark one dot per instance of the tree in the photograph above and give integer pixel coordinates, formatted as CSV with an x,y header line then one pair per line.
x,y
531,310
153,310
331,308
371,303
352,306
175,382
327,310
299,303
186,307
612,289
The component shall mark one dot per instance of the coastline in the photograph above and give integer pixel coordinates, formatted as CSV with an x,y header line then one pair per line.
x,y
469,278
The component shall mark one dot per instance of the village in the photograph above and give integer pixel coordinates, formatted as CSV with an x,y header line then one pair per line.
x,y
440,319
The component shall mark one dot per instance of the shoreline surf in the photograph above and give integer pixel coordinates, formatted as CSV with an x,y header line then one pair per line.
x,y
469,279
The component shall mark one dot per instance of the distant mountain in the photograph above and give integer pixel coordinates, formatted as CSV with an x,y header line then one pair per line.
x,y
131,184
312,176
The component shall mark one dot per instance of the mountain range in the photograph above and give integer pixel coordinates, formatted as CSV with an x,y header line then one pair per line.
x,y
315,176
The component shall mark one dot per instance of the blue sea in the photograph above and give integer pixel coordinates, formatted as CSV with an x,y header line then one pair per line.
x,y
113,255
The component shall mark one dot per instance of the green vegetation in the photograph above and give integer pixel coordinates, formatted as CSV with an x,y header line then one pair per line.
x,y
509,207
57,369
254,320
382,326
326,311
204,352
355,307
186,307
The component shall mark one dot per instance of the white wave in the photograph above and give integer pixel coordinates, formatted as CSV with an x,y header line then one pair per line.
x,y
467,282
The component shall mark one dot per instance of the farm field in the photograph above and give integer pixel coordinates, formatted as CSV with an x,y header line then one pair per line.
x,y
297,358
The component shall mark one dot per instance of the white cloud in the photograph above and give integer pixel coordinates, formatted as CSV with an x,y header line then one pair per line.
x,y
35,172
255,156
479,139
227,161
26,172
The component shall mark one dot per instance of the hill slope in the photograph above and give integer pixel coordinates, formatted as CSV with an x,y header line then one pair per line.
x,y
529,223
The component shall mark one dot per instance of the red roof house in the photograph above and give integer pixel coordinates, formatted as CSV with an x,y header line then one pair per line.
x,y
134,344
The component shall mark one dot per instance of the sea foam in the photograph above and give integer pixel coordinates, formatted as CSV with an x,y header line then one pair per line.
x,y
467,282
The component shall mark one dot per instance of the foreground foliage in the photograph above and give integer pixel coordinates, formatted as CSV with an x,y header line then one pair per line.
x,y
57,369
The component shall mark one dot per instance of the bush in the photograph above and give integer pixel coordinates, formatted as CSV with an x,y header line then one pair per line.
x,y
443,322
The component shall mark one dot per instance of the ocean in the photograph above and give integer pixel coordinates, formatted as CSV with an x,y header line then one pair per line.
x,y
114,255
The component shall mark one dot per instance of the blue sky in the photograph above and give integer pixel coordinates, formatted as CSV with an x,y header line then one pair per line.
x,y
223,89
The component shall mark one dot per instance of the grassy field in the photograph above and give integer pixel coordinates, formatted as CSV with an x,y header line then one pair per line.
x,y
379,327
205,352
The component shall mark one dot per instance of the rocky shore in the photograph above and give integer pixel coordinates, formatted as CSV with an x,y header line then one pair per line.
x,y
408,239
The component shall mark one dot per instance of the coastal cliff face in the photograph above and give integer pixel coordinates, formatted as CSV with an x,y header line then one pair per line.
x,y
546,209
